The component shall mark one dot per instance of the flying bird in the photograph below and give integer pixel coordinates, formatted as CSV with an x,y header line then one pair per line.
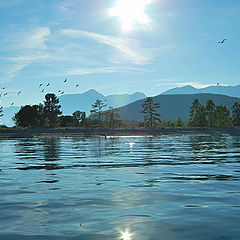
x,y
62,92
3,88
42,90
12,103
40,85
47,84
65,80
19,92
77,85
218,84
5,94
59,91
222,41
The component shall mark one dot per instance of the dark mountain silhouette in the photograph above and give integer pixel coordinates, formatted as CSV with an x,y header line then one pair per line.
x,y
233,91
83,102
174,106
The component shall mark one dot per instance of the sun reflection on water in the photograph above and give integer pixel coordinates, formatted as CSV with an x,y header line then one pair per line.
x,y
126,236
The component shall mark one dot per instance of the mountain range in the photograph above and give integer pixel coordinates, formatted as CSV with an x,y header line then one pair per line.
x,y
174,106
233,91
82,102
174,103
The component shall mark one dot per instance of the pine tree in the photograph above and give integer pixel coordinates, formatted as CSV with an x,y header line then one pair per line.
x,y
222,116
51,110
210,109
197,114
97,110
150,112
236,114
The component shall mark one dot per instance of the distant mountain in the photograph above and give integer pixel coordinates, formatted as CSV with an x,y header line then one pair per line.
x,y
8,114
233,91
83,102
174,106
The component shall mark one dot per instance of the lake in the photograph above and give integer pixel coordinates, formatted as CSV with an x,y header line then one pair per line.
x,y
130,188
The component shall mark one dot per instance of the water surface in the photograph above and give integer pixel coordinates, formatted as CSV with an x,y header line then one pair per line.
x,y
96,188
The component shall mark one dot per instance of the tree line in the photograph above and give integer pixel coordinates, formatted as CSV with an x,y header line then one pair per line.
x,y
211,115
49,115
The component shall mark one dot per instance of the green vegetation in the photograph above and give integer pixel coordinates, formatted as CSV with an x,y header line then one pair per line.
x,y
49,115
96,112
151,117
236,114
212,115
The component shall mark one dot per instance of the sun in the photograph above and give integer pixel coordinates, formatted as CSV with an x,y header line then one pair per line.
x,y
131,12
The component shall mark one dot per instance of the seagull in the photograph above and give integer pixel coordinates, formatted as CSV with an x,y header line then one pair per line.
x,y
218,84
12,103
222,41
62,92
59,91
40,85
3,88
77,85
47,84
19,92
42,90
5,94
65,80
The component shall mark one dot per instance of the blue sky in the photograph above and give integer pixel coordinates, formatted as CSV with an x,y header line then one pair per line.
x,y
46,41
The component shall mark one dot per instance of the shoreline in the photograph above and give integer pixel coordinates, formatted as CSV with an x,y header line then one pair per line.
x,y
11,133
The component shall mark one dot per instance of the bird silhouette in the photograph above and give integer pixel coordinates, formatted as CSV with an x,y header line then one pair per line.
x,y
5,94
47,84
12,103
40,85
222,41
62,92
59,91
65,80
19,92
42,90
218,84
3,88
77,85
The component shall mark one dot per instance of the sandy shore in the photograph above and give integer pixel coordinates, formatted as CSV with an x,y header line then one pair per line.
x,y
80,132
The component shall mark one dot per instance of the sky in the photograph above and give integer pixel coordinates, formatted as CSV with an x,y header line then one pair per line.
x,y
115,46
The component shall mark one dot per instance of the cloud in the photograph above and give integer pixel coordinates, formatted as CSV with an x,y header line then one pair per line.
x,y
25,48
128,47
30,40
87,71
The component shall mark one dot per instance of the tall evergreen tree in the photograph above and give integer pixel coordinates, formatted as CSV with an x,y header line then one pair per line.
x,y
150,112
210,109
97,110
197,114
236,114
222,116
51,110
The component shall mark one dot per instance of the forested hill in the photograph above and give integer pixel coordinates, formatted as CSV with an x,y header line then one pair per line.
x,y
174,106
83,102
232,91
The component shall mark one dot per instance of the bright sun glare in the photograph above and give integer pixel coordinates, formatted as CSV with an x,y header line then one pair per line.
x,y
126,236
130,12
